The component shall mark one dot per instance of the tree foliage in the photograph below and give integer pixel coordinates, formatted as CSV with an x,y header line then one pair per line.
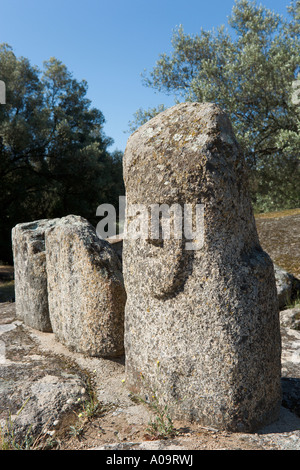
x,y
141,116
249,72
54,157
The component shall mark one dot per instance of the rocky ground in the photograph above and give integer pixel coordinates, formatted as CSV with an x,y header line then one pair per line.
x,y
52,398
67,401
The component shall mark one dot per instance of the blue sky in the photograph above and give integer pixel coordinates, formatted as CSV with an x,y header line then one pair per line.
x,y
109,43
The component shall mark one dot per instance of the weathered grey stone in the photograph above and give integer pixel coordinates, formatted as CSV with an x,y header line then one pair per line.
x,y
290,318
288,287
201,327
86,293
28,241
117,244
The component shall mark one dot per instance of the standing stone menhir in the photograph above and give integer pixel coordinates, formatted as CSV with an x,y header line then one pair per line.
x,y
201,326
86,293
28,242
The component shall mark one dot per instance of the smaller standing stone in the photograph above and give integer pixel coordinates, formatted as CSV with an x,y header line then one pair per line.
x,y
28,241
85,289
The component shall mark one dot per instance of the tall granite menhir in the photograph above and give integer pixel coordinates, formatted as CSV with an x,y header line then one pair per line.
x,y
201,326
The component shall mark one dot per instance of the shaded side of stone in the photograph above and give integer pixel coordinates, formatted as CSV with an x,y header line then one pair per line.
x,y
117,245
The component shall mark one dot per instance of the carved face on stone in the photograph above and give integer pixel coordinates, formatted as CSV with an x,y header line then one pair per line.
x,y
172,164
